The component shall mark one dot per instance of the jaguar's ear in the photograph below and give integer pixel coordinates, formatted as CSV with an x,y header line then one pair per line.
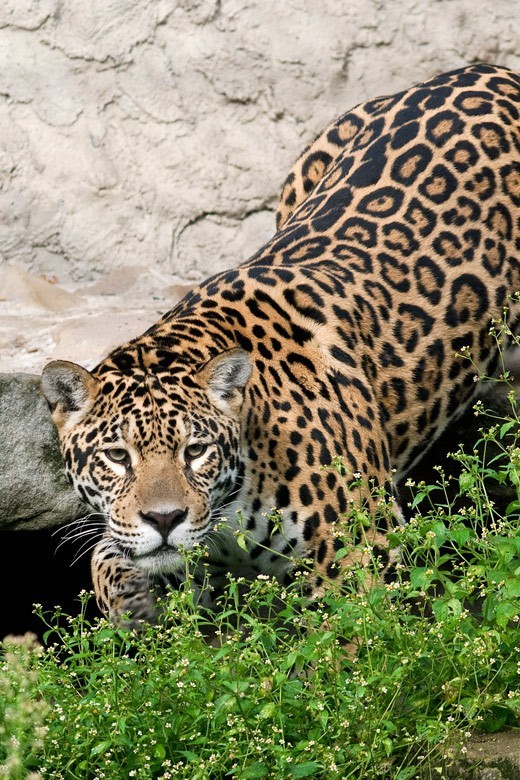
x,y
70,390
225,377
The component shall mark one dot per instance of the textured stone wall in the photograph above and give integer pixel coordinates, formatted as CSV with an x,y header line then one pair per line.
x,y
159,131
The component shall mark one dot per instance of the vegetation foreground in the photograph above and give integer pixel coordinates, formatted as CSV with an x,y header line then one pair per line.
x,y
269,687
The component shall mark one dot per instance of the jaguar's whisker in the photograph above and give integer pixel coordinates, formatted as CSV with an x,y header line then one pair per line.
x,y
80,554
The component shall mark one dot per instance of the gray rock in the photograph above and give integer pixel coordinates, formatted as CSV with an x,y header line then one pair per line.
x,y
34,491
487,757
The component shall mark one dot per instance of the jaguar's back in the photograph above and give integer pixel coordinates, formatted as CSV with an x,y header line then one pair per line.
x,y
417,195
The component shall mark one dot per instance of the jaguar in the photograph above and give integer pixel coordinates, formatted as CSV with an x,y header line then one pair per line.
x,y
346,335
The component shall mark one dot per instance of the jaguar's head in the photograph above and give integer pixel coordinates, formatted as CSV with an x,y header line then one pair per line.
x,y
157,451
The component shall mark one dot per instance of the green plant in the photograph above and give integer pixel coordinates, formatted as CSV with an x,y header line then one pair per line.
x,y
22,709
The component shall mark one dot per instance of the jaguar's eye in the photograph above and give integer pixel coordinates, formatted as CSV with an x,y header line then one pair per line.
x,y
195,450
118,455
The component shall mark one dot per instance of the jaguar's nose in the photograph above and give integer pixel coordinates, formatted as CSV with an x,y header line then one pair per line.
x,y
164,522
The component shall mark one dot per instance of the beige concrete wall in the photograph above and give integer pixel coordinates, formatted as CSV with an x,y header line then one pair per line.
x,y
158,132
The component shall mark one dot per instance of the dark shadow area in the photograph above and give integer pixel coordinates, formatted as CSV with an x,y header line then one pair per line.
x,y
33,571
466,433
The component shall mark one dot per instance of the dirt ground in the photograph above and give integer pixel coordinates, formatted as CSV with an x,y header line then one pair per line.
x,y
490,757
43,319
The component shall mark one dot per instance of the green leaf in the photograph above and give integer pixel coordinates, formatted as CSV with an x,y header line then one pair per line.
x,y
504,612
419,578
159,751
407,773
257,769
189,754
506,427
494,720
225,702
460,535
488,609
440,531
241,541
388,746
105,633
445,608
304,770
268,711
514,506
497,575
418,498
101,747
455,607
466,481
440,610
512,588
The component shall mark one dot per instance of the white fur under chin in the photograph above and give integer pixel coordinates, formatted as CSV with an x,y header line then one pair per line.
x,y
162,562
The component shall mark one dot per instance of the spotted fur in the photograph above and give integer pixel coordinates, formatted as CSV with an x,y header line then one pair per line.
x,y
398,244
